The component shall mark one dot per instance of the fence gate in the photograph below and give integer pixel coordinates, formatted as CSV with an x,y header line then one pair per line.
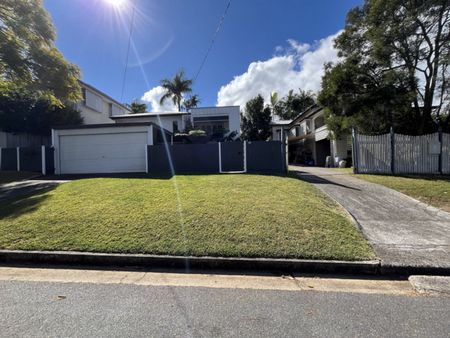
x,y
232,156
402,154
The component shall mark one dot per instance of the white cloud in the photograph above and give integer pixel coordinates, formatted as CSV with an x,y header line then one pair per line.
x,y
300,66
152,97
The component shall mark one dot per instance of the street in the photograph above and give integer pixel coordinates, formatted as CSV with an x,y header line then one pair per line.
x,y
89,303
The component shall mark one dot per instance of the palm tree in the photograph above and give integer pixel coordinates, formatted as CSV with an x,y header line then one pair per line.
x,y
175,89
191,102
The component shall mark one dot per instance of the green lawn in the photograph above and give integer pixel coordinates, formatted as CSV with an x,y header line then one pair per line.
x,y
217,215
433,190
12,176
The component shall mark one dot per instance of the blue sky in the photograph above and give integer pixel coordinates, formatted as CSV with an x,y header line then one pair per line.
x,y
267,45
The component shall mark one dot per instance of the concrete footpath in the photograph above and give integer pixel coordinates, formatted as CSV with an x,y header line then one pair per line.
x,y
404,232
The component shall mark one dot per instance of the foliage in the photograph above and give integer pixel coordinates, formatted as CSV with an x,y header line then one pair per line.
x,y
221,215
292,104
192,102
255,120
394,67
196,132
138,107
175,89
22,111
361,96
28,56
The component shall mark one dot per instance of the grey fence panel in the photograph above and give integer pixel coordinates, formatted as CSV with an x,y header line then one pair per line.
x,y
373,153
9,159
185,158
30,159
265,157
10,140
417,154
446,153
232,154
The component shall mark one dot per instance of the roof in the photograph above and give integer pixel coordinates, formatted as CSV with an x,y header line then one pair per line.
x,y
82,83
110,125
152,114
281,123
305,114
209,107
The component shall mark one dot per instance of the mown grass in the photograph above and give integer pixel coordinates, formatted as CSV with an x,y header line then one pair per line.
x,y
433,190
216,215
12,176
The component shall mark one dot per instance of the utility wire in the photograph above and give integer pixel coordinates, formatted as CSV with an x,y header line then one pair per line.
x,y
133,4
213,40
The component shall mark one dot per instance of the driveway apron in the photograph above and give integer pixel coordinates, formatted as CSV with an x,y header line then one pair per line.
x,y
402,230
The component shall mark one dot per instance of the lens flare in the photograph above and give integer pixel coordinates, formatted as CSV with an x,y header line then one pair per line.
x,y
116,3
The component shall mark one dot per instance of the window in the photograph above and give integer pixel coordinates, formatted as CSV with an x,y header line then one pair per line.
x,y
94,101
110,109
83,93
175,126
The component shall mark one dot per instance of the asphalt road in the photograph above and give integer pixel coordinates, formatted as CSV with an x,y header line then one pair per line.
x,y
55,309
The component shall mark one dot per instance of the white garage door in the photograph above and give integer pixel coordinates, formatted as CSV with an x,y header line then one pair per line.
x,y
103,153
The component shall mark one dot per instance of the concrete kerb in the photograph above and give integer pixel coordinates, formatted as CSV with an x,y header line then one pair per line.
x,y
232,264
263,265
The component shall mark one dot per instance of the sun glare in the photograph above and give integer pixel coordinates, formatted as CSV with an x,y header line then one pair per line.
x,y
116,3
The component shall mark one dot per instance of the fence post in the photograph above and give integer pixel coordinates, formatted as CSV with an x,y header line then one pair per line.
x,y
220,157
440,149
146,159
355,152
392,151
245,156
44,168
18,158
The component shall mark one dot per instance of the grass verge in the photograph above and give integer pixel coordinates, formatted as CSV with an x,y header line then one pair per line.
x,y
433,190
216,215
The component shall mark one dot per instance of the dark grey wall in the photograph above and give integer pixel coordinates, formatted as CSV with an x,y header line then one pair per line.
x,y
30,159
186,158
9,159
265,157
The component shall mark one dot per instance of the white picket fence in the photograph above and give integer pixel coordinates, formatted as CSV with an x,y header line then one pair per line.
x,y
401,154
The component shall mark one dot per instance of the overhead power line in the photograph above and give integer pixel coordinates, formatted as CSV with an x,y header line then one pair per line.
x,y
133,4
213,40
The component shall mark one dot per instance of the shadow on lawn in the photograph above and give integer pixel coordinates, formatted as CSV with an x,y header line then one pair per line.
x,y
15,207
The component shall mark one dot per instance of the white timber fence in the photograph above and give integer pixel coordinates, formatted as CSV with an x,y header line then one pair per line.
x,y
401,154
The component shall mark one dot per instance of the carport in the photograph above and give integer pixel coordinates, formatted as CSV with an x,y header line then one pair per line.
x,y
105,148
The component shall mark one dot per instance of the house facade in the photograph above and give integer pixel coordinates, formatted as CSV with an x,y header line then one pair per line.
x,y
97,107
310,141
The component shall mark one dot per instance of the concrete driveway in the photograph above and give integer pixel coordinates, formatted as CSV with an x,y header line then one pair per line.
x,y
25,187
402,230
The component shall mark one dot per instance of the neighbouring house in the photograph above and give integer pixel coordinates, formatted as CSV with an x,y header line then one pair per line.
x,y
310,141
216,119
210,119
171,121
279,128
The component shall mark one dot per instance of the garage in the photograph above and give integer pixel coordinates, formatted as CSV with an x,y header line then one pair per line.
x,y
108,148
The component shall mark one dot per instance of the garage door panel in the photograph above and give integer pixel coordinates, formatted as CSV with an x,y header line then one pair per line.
x,y
103,153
